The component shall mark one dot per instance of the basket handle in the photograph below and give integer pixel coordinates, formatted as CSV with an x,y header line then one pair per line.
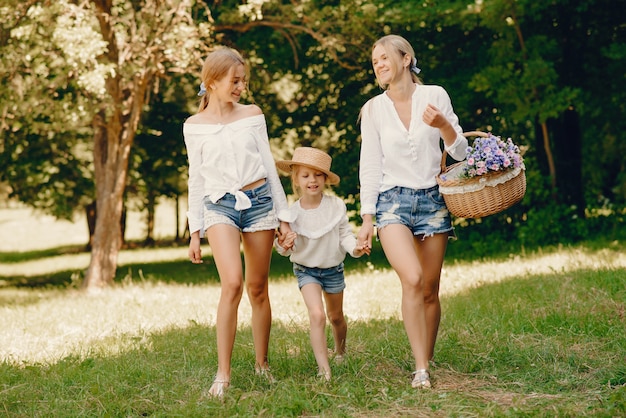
x,y
467,135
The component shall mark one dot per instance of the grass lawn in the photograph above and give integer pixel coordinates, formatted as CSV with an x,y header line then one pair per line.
x,y
523,333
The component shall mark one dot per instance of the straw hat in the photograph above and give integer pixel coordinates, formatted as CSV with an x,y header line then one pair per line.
x,y
312,158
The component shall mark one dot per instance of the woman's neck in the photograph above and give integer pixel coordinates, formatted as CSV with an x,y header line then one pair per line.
x,y
401,90
220,110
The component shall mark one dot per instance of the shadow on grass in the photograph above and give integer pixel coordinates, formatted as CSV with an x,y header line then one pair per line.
x,y
181,271
178,271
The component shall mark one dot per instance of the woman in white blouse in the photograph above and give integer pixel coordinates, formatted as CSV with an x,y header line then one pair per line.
x,y
235,196
401,130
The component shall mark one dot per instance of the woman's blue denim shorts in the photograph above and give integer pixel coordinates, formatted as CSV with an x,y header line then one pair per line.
x,y
261,216
423,211
331,279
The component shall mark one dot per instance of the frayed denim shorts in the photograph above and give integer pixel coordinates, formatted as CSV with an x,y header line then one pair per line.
x,y
423,211
331,279
261,216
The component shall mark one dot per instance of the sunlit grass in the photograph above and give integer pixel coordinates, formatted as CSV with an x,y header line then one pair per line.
x,y
534,345
524,333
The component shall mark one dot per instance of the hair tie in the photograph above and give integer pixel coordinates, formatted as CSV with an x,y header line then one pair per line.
x,y
414,66
202,91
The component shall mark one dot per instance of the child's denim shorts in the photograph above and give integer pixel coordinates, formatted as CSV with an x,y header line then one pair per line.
x,y
423,211
331,279
259,217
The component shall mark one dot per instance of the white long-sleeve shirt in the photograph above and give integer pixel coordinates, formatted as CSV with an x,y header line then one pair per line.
x,y
393,156
324,234
223,158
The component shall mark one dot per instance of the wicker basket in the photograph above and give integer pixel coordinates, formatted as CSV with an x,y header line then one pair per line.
x,y
483,195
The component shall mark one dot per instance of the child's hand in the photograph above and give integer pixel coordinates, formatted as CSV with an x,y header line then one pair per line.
x,y
361,249
287,240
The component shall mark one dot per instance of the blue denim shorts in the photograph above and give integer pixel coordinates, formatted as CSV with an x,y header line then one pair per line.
x,y
261,216
423,211
331,279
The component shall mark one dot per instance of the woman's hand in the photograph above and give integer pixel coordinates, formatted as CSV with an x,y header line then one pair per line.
x,y
433,117
195,253
364,237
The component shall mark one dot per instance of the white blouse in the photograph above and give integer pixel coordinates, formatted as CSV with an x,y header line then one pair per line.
x,y
223,158
393,156
324,234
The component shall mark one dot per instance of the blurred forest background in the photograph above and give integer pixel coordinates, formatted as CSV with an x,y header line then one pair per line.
x,y
93,95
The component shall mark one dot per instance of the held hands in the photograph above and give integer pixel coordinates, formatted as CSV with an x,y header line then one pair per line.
x,y
361,249
286,237
287,240
364,237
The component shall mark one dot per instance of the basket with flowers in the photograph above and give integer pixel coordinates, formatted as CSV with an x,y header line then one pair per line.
x,y
490,180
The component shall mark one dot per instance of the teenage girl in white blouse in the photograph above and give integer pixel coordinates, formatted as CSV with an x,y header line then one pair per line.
x,y
400,158
235,196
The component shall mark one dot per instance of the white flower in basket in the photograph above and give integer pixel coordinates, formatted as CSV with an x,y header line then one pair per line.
x,y
490,180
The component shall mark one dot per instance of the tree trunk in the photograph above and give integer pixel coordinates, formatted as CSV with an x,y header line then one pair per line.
x,y
111,166
151,209
177,200
90,212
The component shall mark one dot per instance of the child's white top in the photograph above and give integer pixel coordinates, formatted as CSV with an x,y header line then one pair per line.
x,y
393,156
324,234
223,158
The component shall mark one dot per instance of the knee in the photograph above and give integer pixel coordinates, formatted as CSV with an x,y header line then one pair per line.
x,y
232,290
431,295
336,318
258,293
413,285
317,318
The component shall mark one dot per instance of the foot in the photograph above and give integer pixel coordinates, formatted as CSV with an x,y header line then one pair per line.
x,y
421,379
339,358
265,372
324,375
218,388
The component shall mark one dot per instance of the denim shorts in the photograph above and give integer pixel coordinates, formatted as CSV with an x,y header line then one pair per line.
x,y
423,211
261,216
331,279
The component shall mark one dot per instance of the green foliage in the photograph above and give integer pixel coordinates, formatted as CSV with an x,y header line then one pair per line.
x,y
508,65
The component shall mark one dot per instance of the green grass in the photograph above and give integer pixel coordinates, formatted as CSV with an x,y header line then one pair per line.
x,y
546,345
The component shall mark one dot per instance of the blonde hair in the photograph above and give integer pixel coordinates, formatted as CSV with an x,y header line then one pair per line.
x,y
400,45
216,66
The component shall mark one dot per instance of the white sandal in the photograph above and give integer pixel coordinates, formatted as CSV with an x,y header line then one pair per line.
x,y
218,388
421,379
265,372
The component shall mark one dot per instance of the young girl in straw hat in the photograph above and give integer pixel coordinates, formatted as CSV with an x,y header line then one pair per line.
x,y
317,247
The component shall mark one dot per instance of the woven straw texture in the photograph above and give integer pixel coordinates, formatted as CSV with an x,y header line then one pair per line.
x,y
312,158
495,197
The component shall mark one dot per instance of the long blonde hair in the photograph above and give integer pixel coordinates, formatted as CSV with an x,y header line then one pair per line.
x,y
402,47
216,66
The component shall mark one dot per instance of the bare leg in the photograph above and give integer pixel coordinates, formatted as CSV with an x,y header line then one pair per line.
x,y
312,295
225,245
257,249
334,310
399,245
431,252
